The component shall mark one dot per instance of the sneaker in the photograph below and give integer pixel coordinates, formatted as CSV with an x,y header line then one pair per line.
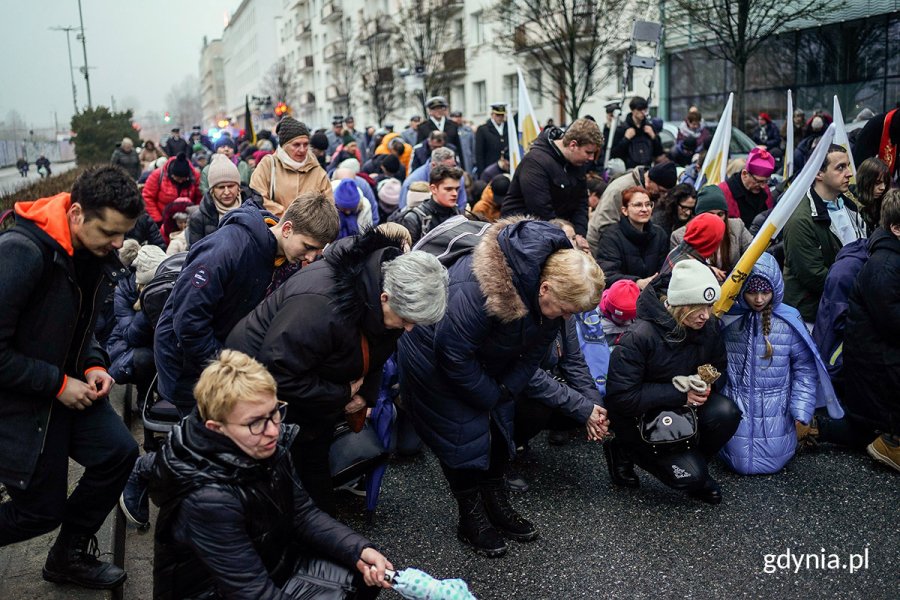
x,y
135,501
885,452
74,559
515,482
356,487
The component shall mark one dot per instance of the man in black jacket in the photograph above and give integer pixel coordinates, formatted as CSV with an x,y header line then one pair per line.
x,y
443,182
636,142
233,520
437,121
57,265
550,182
490,139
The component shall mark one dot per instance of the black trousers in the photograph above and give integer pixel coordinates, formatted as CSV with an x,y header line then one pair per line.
x,y
533,417
463,480
96,439
718,419
310,456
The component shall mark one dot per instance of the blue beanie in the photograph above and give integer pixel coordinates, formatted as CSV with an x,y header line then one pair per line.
x,y
346,195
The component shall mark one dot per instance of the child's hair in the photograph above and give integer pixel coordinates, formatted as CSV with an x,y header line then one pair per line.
x,y
766,330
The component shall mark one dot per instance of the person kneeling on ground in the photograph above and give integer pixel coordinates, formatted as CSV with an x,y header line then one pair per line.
x,y
234,522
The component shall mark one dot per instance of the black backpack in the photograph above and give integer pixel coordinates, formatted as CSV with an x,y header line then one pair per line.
x,y
155,293
640,150
453,238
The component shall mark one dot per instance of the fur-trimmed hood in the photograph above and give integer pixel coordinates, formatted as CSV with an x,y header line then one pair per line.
x,y
508,262
356,266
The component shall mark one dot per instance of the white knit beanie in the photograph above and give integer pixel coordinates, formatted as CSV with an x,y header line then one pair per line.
x,y
222,170
692,283
146,263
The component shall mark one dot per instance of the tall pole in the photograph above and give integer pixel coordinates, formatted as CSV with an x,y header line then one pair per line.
x,y
87,77
71,67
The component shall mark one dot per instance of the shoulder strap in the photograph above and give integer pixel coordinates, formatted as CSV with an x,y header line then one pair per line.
x,y
272,182
424,218
364,344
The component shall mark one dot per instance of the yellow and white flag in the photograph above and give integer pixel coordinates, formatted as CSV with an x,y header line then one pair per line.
x,y
512,138
773,224
528,123
789,144
840,136
716,161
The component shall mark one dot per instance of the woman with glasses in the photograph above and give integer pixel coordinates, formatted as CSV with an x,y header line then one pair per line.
x,y
676,208
233,521
736,240
671,338
634,248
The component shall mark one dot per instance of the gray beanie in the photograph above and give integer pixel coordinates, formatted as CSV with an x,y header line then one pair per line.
x,y
129,251
147,261
692,283
222,170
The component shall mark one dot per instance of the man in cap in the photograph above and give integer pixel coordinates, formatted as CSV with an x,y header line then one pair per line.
x,y
336,135
437,121
657,181
747,192
176,144
490,139
409,134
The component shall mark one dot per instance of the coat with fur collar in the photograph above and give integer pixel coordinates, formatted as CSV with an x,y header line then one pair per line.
x,y
493,336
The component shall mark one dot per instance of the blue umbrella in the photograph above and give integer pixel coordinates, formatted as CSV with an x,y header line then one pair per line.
x,y
382,418
414,584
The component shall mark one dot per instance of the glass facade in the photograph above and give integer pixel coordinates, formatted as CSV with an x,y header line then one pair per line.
x,y
859,60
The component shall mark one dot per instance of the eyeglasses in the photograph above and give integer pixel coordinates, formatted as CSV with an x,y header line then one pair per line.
x,y
277,416
758,180
642,205
686,208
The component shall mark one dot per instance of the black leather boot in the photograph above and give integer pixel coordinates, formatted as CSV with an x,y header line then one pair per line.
x,y
621,467
474,528
709,493
502,515
73,559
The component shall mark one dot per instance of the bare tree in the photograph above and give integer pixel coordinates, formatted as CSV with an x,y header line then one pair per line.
x,y
740,29
375,54
280,82
184,102
424,39
572,41
14,127
345,69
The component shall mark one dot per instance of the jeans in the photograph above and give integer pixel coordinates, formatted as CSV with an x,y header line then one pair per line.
x,y
96,439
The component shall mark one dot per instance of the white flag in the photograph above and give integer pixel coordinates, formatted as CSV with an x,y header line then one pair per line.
x,y
716,161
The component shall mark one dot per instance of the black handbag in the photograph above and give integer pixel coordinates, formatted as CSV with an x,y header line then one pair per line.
x,y
354,454
669,430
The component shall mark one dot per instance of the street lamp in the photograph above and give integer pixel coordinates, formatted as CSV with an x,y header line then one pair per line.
x,y
71,68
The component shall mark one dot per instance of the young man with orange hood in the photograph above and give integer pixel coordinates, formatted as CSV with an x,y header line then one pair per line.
x,y
57,265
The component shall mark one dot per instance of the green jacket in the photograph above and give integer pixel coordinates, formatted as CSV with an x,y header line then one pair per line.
x,y
810,248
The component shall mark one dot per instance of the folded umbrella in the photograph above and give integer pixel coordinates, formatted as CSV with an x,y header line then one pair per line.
x,y
414,584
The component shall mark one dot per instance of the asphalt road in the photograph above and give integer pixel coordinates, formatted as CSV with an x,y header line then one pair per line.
x,y
11,180
603,542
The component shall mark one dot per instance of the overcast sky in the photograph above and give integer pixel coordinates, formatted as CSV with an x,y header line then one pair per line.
x,y
138,51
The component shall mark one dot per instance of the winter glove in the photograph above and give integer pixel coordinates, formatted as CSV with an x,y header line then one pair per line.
x,y
687,383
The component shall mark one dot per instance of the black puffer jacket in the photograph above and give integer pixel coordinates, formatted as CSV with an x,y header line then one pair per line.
x,y
146,231
230,526
547,186
650,354
626,253
872,338
309,333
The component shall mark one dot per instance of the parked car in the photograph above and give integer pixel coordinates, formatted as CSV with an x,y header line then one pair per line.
x,y
741,144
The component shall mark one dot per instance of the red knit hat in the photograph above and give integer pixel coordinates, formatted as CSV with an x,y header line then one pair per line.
x,y
619,301
704,233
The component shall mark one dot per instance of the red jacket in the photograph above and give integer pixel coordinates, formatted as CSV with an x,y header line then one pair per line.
x,y
160,190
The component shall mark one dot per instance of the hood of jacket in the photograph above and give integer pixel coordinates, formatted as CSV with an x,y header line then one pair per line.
x,y
766,267
508,262
883,239
356,263
50,216
194,457
543,145
254,219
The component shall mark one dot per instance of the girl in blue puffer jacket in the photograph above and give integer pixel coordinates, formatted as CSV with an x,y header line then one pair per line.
x,y
775,374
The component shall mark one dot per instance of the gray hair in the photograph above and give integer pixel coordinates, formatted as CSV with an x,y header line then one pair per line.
x,y
440,155
416,284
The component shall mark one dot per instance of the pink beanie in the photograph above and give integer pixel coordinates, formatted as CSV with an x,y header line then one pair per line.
x,y
760,163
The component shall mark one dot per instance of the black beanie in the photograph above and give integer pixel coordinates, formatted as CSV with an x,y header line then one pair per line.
x,y
664,174
391,163
289,128
319,141
180,166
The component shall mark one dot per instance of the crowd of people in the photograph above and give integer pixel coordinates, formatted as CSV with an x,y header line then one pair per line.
x,y
262,292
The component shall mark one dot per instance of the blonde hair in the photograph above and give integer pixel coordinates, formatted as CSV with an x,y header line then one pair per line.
x,y
232,378
766,330
575,278
681,314
735,165
397,232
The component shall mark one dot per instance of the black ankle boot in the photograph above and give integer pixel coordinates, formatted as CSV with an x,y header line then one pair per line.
x,y
73,559
621,467
709,493
474,528
502,515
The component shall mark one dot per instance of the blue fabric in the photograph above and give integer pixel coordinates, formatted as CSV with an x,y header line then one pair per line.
x,y
594,347
771,394
422,174
382,419
224,277
132,330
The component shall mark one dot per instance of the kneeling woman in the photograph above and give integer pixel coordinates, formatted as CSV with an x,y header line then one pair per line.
x,y
670,338
460,377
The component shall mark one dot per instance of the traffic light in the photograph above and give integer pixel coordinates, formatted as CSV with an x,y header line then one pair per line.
x,y
281,109
166,117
